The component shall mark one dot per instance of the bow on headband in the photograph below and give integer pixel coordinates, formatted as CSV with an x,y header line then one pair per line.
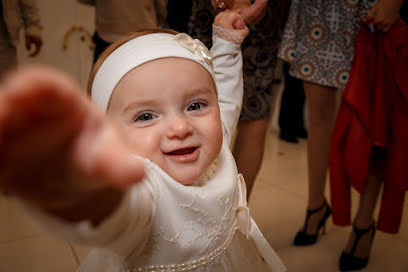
x,y
195,46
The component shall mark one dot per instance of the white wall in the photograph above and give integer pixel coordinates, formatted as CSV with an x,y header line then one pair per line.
x,y
57,16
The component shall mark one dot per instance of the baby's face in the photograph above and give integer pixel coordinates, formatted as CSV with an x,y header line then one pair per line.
x,y
168,110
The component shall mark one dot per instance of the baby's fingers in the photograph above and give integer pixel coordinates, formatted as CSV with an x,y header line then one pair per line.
x,y
239,24
41,110
231,21
103,160
35,95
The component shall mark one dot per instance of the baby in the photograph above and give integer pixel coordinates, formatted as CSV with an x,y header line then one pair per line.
x,y
149,181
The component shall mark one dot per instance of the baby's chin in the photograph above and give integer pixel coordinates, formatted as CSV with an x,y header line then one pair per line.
x,y
191,177
188,179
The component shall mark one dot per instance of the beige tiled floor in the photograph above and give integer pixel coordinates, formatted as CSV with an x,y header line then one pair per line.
x,y
277,204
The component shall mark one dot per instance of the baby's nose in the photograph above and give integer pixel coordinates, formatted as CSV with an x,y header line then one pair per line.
x,y
179,128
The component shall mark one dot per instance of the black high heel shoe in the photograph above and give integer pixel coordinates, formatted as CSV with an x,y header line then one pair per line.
x,y
350,262
304,239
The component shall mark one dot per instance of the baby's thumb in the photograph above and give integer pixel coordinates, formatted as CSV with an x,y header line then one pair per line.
x,y
105,160
239,24
123,169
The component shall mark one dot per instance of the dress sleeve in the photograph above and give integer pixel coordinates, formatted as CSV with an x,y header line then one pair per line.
x,y
227,61
125,231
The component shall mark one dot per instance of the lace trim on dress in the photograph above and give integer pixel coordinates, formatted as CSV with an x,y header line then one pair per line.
x,y
227,35
192,265
208,174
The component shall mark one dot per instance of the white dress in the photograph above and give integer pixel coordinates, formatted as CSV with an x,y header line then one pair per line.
x,y
162,225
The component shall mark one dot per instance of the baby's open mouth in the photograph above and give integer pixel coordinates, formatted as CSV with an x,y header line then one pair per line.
x,y
183,151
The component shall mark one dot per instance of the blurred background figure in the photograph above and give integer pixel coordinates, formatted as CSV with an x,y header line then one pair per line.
x,y
319,49
178,14
261,73
17,15
113,19
291,120
318,42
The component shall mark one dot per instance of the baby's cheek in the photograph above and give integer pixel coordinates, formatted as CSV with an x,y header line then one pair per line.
x,y
144,144
214,134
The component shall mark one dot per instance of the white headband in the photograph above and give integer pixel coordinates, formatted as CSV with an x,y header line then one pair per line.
x,y
141,50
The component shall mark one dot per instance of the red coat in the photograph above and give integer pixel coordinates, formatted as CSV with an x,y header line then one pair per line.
x,y
373,113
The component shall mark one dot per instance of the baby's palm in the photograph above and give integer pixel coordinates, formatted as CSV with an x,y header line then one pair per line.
x,y
56,148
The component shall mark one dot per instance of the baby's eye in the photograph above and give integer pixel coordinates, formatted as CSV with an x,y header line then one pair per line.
x,y
145,116
196,106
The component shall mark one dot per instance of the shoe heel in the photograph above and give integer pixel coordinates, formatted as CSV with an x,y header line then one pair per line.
x,y
304,239
348,261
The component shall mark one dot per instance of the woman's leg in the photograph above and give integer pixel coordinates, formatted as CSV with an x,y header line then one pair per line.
x,y
322,110
249,148
365,216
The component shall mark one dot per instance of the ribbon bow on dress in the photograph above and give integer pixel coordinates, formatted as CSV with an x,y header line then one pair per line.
x,y
244,218
195,46
249,228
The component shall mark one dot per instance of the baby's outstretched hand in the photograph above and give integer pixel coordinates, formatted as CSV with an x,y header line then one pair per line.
x,y
57,150
232,22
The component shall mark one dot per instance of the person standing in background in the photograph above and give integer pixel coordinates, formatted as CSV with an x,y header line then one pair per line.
x,y
15,15
318,42
114,19
291,120
261,78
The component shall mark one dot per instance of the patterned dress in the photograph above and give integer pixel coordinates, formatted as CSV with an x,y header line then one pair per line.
x,y
261,71
318,39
